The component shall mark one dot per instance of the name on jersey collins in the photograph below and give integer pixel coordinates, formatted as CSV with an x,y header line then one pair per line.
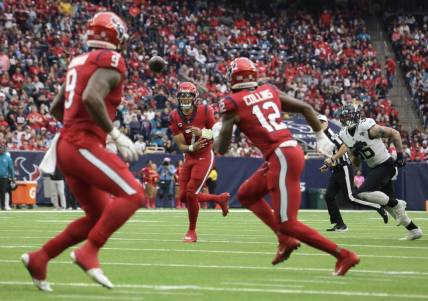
x,y
257,97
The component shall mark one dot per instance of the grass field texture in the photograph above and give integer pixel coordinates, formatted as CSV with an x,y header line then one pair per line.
x,y
146,259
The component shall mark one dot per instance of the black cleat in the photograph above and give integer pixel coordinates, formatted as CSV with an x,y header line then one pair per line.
x,y
338,228
383,213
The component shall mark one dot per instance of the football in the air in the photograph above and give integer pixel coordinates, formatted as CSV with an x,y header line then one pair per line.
x,y
157,64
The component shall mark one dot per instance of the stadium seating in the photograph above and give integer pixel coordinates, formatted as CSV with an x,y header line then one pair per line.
x,y
325,58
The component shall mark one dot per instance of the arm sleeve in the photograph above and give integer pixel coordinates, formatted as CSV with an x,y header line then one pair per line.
x,y
111,59
210,118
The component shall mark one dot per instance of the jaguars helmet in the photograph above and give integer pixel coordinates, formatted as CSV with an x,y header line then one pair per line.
x,y
348,115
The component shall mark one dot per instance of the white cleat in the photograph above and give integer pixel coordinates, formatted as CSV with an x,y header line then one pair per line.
x,y
98,276
42,285
413,234
96,273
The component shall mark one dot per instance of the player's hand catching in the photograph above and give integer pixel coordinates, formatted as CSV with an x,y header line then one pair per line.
x,y
125,146
200,144
196,131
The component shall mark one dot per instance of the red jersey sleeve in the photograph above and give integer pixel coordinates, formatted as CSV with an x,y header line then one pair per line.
x,y
111,59
173,126
210,118
228,104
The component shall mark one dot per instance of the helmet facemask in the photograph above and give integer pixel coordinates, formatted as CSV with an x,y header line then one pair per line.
x,y
186,102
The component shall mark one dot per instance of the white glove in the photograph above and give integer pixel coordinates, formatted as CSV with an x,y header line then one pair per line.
x,y
125,146
324,145
216,129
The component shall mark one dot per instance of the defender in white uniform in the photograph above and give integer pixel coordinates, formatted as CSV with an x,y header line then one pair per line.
x,y
363,139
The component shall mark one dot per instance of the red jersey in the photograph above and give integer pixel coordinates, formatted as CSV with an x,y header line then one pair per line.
x,y
79,128
260,117
201,117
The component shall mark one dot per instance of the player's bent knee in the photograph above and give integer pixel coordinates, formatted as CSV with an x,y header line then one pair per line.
x,y
245,197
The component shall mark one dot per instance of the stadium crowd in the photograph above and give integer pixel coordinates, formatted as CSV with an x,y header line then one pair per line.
x,y
324,58
409,36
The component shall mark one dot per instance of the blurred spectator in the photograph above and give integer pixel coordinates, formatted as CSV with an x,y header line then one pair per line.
x,y
358,179
166,184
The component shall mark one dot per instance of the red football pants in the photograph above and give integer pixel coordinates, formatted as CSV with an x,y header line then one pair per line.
x,y
280,177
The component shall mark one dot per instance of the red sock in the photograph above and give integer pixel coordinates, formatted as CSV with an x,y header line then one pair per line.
x,y
309,236
264,212
117,212
153,202
206,197
192,211
38,264
75,232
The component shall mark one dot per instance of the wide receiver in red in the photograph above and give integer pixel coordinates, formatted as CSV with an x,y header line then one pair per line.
x,y
256,110
191,125
86,104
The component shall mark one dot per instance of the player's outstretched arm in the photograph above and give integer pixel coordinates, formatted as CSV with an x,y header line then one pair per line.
x,y
57,106
293,105
223,140
100,84
378,131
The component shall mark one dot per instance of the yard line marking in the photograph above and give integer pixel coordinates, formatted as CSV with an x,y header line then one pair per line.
x,y
184,211
261,284
84,297
239,289
225,252
225,241
237,267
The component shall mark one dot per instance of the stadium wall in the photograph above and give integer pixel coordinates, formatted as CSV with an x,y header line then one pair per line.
x,y
411,184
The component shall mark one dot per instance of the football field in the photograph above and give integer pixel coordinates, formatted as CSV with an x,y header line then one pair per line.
x,y
146,259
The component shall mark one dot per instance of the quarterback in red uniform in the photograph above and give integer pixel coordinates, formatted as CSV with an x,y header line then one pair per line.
x,y
191,126
86,104
256,110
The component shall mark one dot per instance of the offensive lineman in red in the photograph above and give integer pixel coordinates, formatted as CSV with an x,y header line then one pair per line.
x,y
191,126
86,104
256,110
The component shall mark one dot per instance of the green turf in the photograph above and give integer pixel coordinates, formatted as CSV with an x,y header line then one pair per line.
x,y
146,260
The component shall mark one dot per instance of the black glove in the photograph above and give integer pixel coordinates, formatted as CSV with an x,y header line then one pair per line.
x,y
400,162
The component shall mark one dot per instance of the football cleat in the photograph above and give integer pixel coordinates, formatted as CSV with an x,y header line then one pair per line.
x,y
42,285
95,273
413,234
224,203
383,214
338,228
285,248
347,261
190,236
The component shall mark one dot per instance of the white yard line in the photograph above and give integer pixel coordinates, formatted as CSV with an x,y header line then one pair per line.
x,y
239,289
237,267
229,242
204,251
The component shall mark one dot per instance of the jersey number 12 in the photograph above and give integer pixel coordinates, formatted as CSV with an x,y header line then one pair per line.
x,y
270,123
